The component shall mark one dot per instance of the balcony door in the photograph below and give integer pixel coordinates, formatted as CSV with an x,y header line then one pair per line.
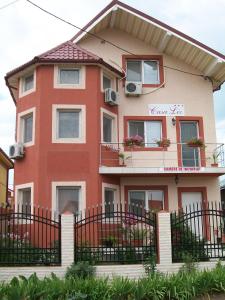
x,y
188,131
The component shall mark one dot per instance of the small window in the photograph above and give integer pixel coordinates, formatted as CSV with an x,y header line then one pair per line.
x,y
107,129
109,202
27,128
28,83
25,200
69,76
137,202
146,71
150,131
107,82
68,124
68,199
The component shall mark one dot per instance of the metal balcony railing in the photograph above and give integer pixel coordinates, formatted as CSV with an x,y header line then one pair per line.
x,y
152,156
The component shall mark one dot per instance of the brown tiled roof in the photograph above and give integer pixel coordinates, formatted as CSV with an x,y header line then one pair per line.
x,y
65,52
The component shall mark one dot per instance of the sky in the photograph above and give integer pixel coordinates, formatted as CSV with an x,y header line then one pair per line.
x,y
26,32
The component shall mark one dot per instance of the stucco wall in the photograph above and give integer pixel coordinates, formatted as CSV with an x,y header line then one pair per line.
x,y
3,183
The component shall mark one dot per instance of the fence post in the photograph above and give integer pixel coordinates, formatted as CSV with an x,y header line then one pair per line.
x,y
164,238
67,239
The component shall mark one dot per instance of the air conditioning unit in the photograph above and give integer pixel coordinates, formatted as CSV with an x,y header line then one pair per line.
x,y
133,88
16,151
111,97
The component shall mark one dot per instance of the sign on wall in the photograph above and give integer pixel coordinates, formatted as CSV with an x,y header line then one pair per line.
x,y
166,109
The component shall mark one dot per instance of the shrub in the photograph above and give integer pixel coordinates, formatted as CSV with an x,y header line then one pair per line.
x,y
81,269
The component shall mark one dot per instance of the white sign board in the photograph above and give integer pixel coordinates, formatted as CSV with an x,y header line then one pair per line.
x,y
166,109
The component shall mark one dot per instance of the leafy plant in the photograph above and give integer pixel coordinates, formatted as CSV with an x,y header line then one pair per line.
x,y
136,140
190,264
81,269
163,142
196,142
138,233
123,157
150,265
110,241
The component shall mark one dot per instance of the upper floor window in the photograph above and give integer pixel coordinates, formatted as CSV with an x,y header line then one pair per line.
x,y
107,82
145,71
150,131
27,84
68,124
69,76
107,129
26,127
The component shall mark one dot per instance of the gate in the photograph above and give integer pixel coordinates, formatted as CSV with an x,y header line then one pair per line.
x,y
198,232
115,234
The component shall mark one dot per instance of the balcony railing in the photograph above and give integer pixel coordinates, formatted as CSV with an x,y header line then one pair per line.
x,y
177,155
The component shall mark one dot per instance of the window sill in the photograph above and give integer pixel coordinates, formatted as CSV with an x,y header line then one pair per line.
x,y
69,141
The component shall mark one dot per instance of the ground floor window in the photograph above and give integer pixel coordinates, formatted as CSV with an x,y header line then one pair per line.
x,y
109,202
68,199
145,199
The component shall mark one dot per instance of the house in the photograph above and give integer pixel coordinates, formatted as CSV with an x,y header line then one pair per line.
x,y
95,113
5,165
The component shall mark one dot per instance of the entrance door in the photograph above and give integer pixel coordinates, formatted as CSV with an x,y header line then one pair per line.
x,y
188,131
191,201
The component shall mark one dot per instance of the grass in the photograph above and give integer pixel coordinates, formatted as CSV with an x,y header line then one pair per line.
x,y
181,286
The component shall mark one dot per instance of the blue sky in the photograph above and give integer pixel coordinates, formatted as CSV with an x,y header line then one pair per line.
x,y
26,32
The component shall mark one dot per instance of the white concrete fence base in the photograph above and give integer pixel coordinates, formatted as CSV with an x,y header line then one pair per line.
x,y
136,271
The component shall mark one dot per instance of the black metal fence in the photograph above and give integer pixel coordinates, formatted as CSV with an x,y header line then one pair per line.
x,y
115,233
29,236
198,232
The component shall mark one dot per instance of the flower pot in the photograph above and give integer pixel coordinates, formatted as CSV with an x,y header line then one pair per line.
x,y
214,165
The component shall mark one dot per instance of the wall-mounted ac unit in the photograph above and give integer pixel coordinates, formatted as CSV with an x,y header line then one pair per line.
x,y
111,97
16,151
133,88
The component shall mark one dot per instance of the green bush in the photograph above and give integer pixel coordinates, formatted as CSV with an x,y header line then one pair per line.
x,y
181,286
81,269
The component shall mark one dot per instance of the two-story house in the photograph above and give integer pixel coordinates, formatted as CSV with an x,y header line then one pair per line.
x,y
94,116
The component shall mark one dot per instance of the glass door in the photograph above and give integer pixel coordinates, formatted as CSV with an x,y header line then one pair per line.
x,y
190,155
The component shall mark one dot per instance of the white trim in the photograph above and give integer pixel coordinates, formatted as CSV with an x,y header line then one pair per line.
x,y
114,124
82,76
82,123
21,84
20,126
21,187
82,195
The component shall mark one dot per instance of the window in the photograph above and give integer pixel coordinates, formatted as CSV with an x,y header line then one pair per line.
x,y
151,131
68,199
107,129
109,202
69,76
145,71
106,82
145,199
28,83
27,128
68,124
24,198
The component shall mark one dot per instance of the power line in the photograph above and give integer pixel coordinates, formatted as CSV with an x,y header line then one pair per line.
x,y
7,5
104,40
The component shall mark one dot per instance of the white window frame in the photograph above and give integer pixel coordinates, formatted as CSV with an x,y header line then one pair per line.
x,y
116,189
109,76
20,126
145,129
82,123
146,196
77,184
20,187
142,70
82,76
109,114
23,93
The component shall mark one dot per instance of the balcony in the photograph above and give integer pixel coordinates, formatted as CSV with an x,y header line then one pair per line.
x,y
178,158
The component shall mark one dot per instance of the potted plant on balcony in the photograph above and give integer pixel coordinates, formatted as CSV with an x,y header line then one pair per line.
x,y
215,159
109,241
134,141
123,157
164,143
196,143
